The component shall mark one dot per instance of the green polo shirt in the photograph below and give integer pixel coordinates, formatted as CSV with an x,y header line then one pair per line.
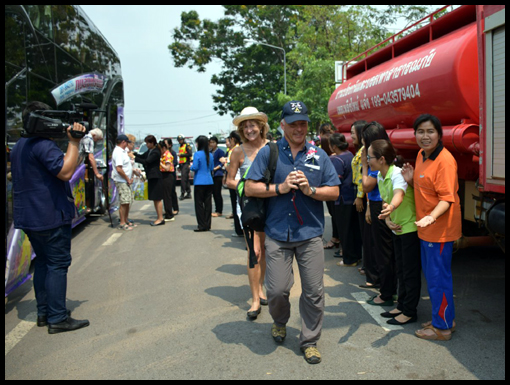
x,y
405,214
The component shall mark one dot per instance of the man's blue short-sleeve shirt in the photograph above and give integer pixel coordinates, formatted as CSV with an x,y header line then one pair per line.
x,y
282,222
41,201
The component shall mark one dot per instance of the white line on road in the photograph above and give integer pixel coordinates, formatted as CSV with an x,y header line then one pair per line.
x,y
146,207
374,311
20,331
110,241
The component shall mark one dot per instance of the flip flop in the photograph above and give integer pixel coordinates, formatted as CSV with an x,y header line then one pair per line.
x,y
125,227
426,324
332,245
438,336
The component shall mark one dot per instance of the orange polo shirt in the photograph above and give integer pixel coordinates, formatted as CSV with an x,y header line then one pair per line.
x,y
435,179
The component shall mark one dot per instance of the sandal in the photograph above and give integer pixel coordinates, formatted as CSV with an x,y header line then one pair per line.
x,y
437,336
332,245
342,263
427,324
125,227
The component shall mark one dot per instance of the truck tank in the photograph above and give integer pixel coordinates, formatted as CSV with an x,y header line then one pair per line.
x,y
394,86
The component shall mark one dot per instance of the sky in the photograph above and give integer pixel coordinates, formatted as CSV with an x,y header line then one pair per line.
x,y
160,99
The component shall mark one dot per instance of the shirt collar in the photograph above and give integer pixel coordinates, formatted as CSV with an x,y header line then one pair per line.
x,y
389,174
434,154
286,145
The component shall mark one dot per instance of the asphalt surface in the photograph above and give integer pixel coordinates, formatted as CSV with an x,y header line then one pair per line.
x,y
168,303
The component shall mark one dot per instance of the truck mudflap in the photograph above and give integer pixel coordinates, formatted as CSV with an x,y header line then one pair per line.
x,y
496,222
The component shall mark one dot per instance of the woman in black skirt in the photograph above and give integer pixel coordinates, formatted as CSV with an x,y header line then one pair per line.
x,y
150,161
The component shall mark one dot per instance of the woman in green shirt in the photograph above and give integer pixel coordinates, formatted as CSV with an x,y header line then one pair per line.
x,y
399,212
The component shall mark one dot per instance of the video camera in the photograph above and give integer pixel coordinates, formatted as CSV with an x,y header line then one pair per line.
x,y
54,123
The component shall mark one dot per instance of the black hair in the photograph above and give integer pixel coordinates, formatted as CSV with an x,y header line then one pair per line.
x,y
358,127
162,144
339,141
203,145
31,107
151,139
432,119
373,131
214,139
234,135
383,147
325,128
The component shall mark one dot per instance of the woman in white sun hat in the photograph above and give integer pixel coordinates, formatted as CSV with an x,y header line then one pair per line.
x,y
252,127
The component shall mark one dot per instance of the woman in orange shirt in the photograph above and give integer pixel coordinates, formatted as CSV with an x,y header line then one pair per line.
x,y
438,217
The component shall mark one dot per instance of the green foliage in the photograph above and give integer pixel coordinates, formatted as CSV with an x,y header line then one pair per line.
x,y
313,36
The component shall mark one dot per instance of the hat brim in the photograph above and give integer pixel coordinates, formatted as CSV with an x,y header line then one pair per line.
x,y
258,116
296,117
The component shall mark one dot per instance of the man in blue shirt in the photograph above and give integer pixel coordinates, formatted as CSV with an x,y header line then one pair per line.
x,y
304,178
44,209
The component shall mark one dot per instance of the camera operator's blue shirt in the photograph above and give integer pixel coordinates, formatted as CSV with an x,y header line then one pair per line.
x,y
41,201
282,221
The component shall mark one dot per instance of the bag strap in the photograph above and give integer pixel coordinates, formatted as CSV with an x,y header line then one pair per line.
x,y
268,174
249,236
273,161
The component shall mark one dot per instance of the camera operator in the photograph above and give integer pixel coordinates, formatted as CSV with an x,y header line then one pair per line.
x,y
44,209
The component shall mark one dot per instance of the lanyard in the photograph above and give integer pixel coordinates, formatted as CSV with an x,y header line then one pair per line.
x,y
296,209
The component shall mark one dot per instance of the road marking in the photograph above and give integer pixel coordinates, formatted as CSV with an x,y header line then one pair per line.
x,y
110,241
374,311
20,331
146,207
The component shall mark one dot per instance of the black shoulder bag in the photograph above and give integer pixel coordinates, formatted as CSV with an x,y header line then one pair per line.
x,y
253,209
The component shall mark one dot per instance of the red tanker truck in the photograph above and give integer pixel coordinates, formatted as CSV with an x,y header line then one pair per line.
x,y
454,68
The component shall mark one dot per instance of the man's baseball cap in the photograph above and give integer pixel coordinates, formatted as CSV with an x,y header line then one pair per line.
x,y
294,111
122,137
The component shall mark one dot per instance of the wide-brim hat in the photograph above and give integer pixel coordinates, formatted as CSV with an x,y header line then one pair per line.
x,y
249,113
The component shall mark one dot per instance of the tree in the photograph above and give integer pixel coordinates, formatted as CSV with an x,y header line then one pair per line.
x,y
251,76
313,36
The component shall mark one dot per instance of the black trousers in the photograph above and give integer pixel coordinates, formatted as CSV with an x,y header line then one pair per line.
x,y
185,180
408,264
168,186
348,232
237,222
369,262
203,205
334,223
218,199
175,201
382,239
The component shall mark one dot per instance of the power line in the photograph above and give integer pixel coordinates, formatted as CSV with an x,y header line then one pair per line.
x,y
170,123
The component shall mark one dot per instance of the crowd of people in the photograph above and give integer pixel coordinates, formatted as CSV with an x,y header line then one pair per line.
x,y
385,215
395,219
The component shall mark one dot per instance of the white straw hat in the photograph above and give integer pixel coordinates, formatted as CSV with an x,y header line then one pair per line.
x,y
249,113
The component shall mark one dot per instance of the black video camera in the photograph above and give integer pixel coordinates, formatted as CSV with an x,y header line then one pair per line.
x,y
54,123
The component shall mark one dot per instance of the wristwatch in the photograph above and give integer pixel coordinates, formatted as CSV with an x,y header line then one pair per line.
x,y
313,190
276,189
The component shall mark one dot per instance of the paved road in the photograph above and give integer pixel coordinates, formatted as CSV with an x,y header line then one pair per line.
x,y
168,303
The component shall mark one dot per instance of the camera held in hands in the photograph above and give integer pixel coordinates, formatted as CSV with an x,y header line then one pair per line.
x,y
54,123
